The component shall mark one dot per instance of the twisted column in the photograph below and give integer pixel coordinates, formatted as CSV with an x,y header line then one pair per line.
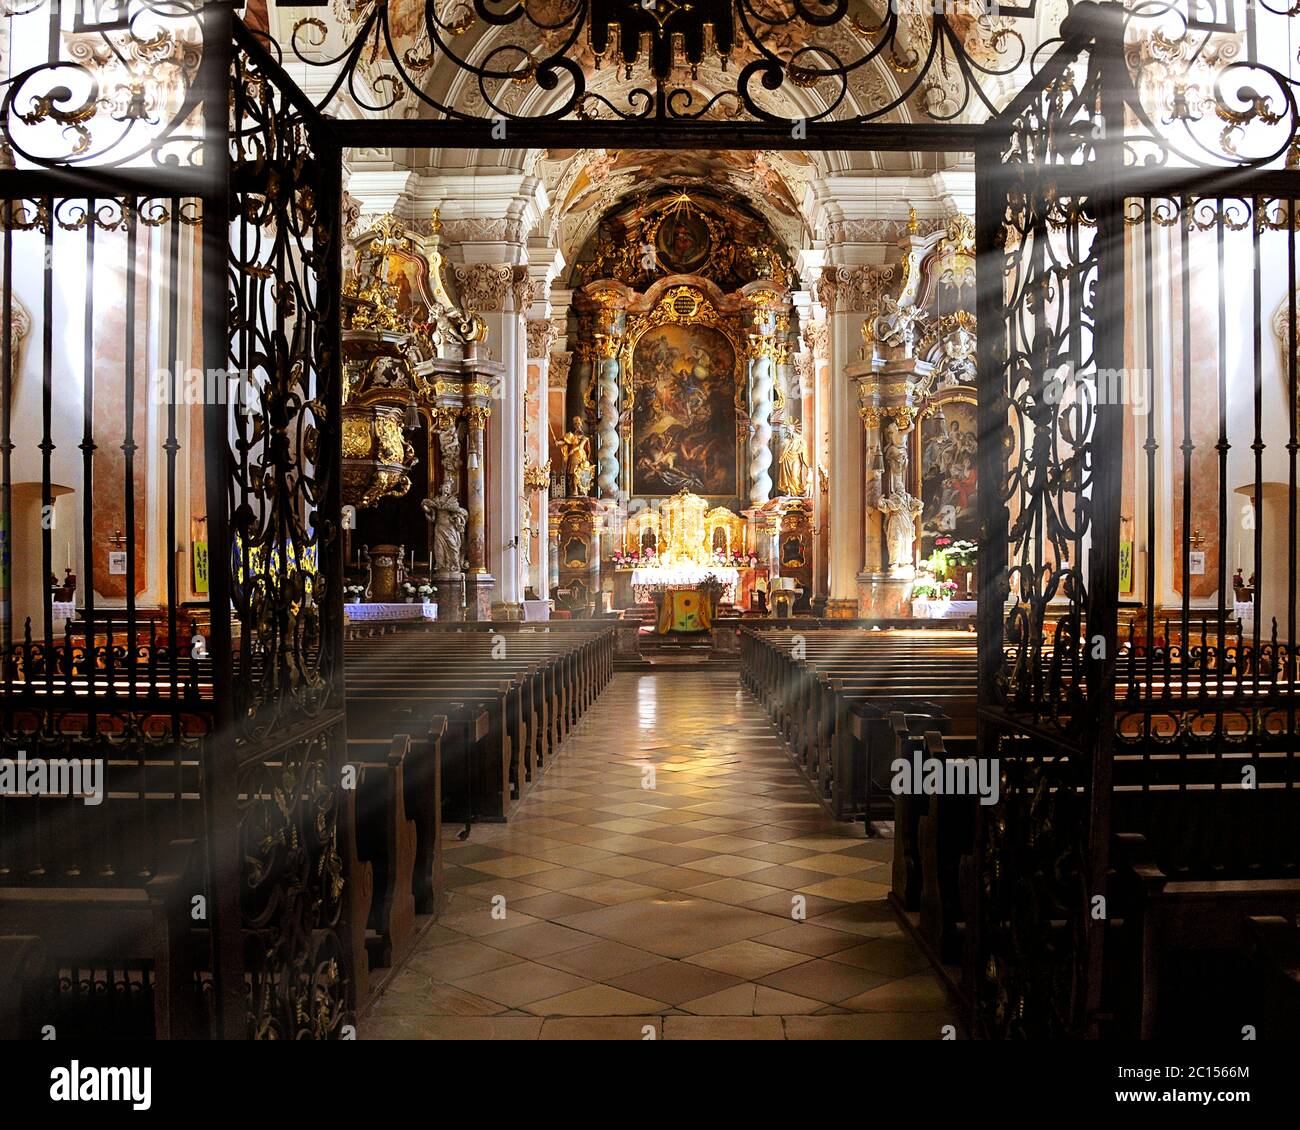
x,y
607,425
761,382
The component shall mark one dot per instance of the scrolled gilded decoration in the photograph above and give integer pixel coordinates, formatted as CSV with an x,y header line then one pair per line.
x,y
816,338
852,289
522,289
557,374
484,286
540,333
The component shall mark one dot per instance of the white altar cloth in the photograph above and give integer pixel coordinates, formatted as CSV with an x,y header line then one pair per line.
x,y
943,609
647,577
375,611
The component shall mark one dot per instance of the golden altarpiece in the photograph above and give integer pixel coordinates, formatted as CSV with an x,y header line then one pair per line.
x,y
685,460
416,400
916,395
682,387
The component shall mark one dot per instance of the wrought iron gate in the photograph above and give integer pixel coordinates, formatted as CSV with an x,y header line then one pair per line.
x,y
1060,234
231,710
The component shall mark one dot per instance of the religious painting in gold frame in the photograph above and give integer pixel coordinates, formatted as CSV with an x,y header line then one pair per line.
x,y
946,465
685,370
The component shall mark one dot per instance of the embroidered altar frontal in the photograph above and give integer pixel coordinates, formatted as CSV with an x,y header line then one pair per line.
x,y
684,610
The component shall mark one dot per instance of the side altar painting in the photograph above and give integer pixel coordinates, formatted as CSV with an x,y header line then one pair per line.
x,y
684,413
949,437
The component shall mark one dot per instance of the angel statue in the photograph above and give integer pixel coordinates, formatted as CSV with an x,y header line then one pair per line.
x,y
793,469
448,517
896,325
576,446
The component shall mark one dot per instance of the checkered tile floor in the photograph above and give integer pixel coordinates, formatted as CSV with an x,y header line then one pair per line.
x,y
650,880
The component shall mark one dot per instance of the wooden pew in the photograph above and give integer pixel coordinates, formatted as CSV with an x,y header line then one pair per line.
x,y
386,840
24,969
832,702
111,926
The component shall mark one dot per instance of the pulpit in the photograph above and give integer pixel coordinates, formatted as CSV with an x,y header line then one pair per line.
x,y
386,572
783,592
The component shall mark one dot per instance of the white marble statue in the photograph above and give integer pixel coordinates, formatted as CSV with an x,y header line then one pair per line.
x,y
448,517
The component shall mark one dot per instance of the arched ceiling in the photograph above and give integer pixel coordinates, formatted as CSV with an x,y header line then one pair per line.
x,y
584,185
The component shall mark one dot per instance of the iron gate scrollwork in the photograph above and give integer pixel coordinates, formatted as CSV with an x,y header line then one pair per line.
x,y
282,489
1048,228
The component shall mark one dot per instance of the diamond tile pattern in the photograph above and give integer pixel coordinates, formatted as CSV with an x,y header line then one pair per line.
x,y
647,887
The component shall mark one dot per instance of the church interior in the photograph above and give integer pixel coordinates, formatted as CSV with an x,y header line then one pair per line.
x,y
595,520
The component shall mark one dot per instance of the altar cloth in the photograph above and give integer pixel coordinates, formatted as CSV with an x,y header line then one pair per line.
x,y
428,610
649,577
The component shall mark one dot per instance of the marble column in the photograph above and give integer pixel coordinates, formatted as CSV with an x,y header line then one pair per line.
x,y
761,350
817,430
536,430
479,582
847,293
607,431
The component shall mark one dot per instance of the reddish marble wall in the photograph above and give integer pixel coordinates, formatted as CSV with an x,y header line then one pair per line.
x,y
110,415
1203,419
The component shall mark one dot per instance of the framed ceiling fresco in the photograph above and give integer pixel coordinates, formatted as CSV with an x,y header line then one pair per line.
x,y
948,441
684,431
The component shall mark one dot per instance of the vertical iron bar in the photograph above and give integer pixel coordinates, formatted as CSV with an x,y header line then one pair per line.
x,y
171,446
1108,477
1188,447
47,455
86,579
1223,446
132,219
219,765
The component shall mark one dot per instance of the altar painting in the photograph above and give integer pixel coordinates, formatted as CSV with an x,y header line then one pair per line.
x,y
684,414
949,438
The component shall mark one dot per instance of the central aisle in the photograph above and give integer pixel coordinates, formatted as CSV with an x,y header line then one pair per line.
x,y
650,880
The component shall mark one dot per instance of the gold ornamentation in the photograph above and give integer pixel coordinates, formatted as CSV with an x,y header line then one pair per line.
x,y
476,415
536,478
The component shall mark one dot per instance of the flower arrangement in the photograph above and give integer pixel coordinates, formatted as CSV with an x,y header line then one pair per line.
x,y
630,559
354,593
929,587
409,589
425,591
962,552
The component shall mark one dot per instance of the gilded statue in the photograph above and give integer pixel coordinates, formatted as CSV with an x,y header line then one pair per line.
x,y
578,468
448,517
793,471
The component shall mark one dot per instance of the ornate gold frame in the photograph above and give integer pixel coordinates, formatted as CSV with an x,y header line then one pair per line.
x,y
702,313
